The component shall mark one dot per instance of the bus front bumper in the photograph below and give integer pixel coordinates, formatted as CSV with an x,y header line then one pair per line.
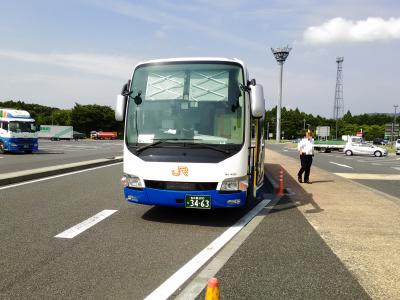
x,y
150,196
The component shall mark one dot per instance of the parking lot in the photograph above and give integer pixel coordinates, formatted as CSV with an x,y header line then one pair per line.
x,y
60,152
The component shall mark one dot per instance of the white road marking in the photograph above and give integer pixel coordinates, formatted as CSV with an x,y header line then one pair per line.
x,y
166,289
85,225
56,176
1,157
341,165
396,168
369,176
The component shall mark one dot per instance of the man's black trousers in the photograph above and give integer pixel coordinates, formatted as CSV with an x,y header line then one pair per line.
x,y
306,161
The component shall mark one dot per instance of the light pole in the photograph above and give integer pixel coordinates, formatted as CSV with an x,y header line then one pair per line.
x,y
280,55
394,122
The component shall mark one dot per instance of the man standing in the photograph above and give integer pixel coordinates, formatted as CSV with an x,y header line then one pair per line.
x,y
306,151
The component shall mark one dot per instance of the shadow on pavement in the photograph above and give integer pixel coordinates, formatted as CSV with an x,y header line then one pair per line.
x,y
300,196
215,218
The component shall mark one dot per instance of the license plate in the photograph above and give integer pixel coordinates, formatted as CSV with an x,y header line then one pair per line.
x,y
198,201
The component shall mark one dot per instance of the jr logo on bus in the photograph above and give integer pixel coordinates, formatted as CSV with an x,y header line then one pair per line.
x,y
181,170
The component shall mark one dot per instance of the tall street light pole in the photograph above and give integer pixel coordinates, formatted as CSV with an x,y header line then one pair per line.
x,y
394,121
280,55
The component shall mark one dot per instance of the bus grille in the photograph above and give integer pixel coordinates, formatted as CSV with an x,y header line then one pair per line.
x,y
181,186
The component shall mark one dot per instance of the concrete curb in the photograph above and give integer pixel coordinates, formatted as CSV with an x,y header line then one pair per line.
x,y
20,176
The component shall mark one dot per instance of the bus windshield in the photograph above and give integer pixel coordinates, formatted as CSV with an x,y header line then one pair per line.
x,y
186,102
17,127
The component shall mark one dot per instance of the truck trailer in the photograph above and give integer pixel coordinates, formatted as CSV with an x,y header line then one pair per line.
x,y
17,131
189,124
56,132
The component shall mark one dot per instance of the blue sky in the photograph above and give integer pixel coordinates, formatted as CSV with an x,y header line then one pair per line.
x,y
57,52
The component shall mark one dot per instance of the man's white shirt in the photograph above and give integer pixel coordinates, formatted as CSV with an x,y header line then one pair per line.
x,y
306,146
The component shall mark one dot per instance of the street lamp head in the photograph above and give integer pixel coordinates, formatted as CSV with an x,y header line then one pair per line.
x,y
281,54
339,59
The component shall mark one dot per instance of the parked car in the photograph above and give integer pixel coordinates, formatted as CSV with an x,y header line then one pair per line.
x,y
364,149
380,141
397,147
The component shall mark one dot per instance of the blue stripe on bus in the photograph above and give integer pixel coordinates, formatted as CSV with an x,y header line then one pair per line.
x,y
151,196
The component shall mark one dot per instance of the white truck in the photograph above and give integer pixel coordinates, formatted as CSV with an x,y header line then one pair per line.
x,y
17,131
56,132
335,145
189,124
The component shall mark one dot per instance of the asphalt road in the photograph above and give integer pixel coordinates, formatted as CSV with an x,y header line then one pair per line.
x,y
130,253
53,153
380,173
125,256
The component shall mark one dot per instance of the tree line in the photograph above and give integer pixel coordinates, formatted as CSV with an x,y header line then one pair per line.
x,y
86,118
294,124
83,118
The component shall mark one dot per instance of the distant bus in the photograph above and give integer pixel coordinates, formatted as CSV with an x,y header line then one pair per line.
x,y
17,131
188,134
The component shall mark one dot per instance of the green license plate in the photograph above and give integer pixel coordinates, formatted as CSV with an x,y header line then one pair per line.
x,y
198,201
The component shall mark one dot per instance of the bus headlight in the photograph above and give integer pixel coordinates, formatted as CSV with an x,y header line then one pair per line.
x,y
235,184
131,181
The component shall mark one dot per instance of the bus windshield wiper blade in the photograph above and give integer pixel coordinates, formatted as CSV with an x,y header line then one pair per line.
x,y
158,142
140,149
209,147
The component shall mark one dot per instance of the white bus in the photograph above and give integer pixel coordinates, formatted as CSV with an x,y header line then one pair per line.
x,y
194,133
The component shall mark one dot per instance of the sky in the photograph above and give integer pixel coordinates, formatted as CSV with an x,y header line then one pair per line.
x,y
58,53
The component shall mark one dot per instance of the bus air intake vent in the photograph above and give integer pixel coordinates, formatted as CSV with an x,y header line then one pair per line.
x,y
181,186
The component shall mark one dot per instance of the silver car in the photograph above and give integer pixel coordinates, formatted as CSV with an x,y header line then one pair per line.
x,y
364,149
398,147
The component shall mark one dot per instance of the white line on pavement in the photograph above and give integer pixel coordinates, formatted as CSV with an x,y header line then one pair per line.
x,y
367,176
56,176
344,166
166,289
396,168
81,227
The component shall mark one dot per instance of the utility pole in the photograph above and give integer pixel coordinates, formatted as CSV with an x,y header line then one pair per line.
x,y
338,106
280,55
394,122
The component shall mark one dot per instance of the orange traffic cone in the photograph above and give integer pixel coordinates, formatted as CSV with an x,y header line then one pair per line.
x,y
279,191
212,292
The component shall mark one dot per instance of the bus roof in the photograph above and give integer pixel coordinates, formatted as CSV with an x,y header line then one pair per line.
x,y
195,59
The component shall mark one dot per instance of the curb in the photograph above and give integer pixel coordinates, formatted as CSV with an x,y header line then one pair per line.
x,y
20,176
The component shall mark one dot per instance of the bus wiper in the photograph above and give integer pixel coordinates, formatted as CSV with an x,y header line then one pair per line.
x,y
159,141
209,147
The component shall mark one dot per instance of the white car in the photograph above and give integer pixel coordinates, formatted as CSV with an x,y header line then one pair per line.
x,y
364,149
398,147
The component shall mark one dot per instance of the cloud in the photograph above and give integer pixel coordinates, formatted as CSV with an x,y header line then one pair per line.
x,y
163,18
342,30
104,65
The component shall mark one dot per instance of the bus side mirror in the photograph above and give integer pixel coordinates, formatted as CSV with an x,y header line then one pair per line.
x,y
257,101
120,107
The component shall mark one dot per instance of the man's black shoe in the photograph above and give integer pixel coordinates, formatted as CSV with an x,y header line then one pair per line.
x,y
299,179
308,182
